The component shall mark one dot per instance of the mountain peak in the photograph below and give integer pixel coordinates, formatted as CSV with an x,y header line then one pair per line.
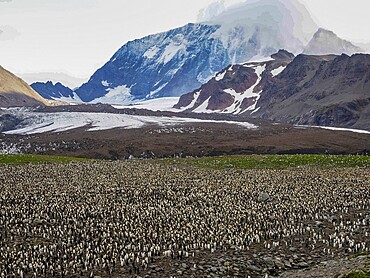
x,y
327,42
52,90
323,33
282,54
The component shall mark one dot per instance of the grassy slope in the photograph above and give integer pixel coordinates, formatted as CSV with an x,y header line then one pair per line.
x,y
21,159
358,274
276,161
237,162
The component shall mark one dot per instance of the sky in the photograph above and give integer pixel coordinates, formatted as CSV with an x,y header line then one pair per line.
x,y
77,37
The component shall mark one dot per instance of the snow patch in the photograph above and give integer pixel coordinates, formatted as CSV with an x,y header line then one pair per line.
x,y
151,52
72,100
203,107
157,90
250,92
158,104
171,50
256,110
194,101
105,83
117,95
236,107
220,76
335,128
277,71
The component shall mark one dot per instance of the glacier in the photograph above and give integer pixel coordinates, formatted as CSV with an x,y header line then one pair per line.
x,y
36,123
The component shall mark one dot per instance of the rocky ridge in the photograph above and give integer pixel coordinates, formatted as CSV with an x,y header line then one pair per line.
x,y
327,90
49,90
237,88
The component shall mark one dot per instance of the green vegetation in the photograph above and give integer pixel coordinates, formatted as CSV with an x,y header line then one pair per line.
x,y
225,162
366,253
276,161
25,158
358,274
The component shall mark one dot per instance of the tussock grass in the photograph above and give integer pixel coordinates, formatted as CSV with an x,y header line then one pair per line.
x,y
366,253
277,161
34,159
358,274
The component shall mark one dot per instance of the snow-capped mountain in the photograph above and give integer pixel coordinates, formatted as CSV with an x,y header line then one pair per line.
x,y
327,42
180,60
165,64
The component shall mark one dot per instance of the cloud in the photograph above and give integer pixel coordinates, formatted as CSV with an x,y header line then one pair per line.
x,y
6,0
8,33
210,12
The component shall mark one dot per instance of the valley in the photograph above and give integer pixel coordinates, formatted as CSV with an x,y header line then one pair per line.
x,y
102,131
234,145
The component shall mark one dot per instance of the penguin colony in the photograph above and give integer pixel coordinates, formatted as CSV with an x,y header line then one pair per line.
x,y
118,219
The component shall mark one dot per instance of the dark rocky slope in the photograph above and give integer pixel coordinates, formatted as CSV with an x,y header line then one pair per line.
x,y
321,90
237,88
328,90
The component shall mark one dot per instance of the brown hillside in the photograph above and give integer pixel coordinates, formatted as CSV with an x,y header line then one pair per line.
x,y
15,92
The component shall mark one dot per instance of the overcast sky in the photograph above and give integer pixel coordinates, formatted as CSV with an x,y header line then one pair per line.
x,y
78,36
